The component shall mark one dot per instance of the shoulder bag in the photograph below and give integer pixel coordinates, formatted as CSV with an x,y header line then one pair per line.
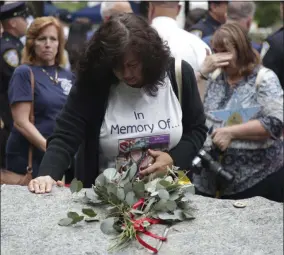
x,y
12,178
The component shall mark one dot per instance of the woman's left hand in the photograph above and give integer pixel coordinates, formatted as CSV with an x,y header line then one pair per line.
x,y
222,138
162,161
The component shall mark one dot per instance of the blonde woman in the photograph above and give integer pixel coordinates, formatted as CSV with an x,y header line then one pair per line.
x,y
43,55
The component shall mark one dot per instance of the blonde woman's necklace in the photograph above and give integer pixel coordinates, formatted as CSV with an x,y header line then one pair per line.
x,y
55,78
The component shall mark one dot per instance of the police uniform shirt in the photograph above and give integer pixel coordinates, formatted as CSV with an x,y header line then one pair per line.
x,y
49,99
204,27
10,58
272,54
207,40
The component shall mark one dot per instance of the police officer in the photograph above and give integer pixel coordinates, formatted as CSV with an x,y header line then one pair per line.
x,y
273,51
12,18
241,12
214,19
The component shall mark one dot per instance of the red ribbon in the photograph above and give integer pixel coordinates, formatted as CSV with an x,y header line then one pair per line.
x,y
138,226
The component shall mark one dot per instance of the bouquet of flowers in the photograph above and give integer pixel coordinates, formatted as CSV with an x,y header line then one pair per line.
x,y
135,204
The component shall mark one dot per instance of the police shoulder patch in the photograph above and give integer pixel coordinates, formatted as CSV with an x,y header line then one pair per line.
x,y
197,33
11,57
264,49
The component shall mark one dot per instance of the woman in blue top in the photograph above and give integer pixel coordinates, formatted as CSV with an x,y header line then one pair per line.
x,y
43,54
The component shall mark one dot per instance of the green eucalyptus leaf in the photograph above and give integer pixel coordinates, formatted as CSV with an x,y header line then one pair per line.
x,y
150,202
92,197
91,219
110,174
173,187
65,222
111,188
121,194
100,180
112,211
114,199
130,198
89,212
155,193
169,179
107,226
179,214
124,181
159,186
133,171
128,187
188,215
165,183
171,205
76,185
152,184
163,194
175,195
125,174
161,205
77,219
184,199
80,186
139,189
184,205
72,215
188,188
166,216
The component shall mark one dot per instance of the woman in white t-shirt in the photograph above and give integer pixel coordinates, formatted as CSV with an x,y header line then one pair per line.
x,y
125,104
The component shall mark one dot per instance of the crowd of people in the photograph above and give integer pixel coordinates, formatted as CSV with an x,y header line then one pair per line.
x,y
82,103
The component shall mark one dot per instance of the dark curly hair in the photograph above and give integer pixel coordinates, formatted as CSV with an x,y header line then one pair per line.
x,y
106,50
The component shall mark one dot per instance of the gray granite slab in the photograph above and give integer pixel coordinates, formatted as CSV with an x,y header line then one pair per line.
x,y
29,226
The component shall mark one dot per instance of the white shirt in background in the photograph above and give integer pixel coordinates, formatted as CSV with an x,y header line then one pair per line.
x,y
183,44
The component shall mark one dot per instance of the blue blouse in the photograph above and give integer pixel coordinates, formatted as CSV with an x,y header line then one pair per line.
x,y
249,161
49,99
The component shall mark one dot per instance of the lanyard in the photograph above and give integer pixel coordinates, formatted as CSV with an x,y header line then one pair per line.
x,y
55,79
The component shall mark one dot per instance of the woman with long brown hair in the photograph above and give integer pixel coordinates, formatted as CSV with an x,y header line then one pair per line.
x,y
244,107
126,104
42,59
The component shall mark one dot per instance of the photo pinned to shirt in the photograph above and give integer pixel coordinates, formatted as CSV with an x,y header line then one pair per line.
x,y
136,150
236,116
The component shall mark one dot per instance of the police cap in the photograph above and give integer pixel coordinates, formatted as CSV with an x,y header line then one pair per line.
x,y
12,10
64,15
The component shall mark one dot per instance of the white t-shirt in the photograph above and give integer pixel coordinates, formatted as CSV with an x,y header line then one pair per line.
x,y
183,45
136,119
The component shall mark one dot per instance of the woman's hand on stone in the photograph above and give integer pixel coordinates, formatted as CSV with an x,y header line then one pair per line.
x,y
43,184
214,61
162,160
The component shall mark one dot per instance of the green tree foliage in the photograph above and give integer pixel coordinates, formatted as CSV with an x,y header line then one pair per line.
x,y
71,6
267,13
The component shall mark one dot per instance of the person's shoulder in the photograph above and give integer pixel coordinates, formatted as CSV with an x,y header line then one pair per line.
x,y
193,39
22,70
276,39
198,28
9,53
66,74
276,34
269,74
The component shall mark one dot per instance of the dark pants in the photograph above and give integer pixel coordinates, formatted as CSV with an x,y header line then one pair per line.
x,y
271,188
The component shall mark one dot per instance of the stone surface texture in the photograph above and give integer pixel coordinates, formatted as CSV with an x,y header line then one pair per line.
x,y
29,226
